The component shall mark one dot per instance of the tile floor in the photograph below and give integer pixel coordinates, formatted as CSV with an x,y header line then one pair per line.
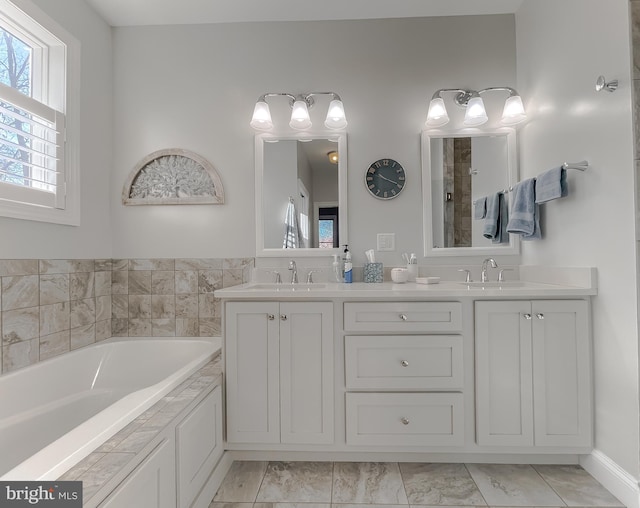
x,y
344,484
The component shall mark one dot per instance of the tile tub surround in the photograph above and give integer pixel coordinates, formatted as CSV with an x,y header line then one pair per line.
x,y
107,461
350,485
51,306
172,297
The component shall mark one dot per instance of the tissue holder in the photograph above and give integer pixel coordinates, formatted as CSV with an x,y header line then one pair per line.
x,y
373,272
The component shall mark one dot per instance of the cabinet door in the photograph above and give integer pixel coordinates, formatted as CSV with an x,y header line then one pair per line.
x,y
199,446
306,372
504,405
150,485
251,349
561,373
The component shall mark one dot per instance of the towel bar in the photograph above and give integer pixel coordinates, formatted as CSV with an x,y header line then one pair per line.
x,y
580,166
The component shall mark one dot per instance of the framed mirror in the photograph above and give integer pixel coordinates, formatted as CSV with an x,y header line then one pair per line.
x,y
301,194
458,169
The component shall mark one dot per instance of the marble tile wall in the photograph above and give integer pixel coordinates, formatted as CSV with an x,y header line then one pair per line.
x,y
50,307
635,49
172,297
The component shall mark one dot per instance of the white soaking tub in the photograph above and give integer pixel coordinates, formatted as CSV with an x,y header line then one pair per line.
x,y
56,412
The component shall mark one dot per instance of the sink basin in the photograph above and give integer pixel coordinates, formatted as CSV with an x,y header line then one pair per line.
x,y
495,284
287,287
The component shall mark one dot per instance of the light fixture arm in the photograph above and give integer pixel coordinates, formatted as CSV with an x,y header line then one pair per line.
x,y
263,97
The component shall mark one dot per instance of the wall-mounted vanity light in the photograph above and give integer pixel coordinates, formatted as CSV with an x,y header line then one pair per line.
x,y
475,114
300,106
333,157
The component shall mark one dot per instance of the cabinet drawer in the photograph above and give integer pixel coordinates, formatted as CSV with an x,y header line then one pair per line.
x,y
402,317
405,419
410,362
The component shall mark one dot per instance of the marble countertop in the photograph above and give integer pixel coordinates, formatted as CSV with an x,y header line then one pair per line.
x,y
444,289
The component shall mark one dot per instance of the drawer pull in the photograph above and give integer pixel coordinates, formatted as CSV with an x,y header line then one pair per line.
x,y
527,316
270,317
283,317
403,317
540,316
404,363
405,421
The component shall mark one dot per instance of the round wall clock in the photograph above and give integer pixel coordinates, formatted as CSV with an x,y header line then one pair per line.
x,y
385,178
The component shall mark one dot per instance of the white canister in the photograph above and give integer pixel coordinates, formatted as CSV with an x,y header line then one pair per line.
x,y
399,275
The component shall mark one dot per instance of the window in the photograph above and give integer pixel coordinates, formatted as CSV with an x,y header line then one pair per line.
x,y
38,119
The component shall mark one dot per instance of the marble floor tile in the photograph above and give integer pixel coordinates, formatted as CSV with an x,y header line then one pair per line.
x,y
215,504
293,505
576,487
440,484
296,482
368,482
241,483
512,485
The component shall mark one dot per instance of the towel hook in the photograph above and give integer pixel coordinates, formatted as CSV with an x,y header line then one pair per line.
x,y
580,166
602,84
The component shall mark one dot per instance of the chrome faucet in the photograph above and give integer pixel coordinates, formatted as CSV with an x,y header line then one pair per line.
x,y
483,274
294,272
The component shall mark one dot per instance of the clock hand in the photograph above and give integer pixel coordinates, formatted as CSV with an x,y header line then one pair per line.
x,y
387,179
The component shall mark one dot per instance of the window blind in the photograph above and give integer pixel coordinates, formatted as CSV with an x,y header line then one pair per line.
x,y
31,150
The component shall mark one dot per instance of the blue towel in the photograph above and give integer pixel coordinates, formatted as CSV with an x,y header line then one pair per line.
x,y
480,208
503,218
492,217
551,184
525,217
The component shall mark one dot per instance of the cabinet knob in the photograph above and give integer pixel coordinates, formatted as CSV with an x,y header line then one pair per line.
x,y
403,317
527,316
283,317
270,317
405,421
404,363
540,316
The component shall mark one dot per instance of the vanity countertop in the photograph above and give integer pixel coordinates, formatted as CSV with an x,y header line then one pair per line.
x,y
445,289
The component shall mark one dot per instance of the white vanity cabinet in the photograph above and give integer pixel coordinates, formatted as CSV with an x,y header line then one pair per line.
x,y
279,368
533,374
404,388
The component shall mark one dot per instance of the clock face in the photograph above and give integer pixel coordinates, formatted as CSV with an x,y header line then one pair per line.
x,y
385,179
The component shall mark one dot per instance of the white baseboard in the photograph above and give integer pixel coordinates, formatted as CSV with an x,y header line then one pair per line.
x,y
213,483
615,479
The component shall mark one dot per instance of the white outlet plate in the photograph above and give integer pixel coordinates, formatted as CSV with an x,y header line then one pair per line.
x,y
386,242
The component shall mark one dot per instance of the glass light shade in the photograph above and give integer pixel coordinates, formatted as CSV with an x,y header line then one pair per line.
x,y
336,118
300,116
333,157
261,117
437,115
476,114
513,112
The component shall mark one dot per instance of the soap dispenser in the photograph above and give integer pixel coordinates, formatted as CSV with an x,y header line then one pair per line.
x,y
348,266
412,267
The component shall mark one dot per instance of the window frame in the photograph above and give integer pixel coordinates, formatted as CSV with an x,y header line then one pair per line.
x,y
56,59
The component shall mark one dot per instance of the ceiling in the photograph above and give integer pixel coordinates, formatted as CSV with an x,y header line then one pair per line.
x,y
171,12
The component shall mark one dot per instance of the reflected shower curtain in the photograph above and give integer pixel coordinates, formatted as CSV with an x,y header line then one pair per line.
x,y
291,229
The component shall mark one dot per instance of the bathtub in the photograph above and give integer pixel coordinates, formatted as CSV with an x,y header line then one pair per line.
x,y
56,412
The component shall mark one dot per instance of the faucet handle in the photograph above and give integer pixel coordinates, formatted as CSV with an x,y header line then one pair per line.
x,y
310,276
278,278
501,273
468,274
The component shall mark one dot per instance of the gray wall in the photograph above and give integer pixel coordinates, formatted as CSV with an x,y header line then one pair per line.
x,y
195,87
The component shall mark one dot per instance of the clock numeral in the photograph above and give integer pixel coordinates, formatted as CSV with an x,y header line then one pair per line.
x,y
372,170
399,170
401,178
386,194
372,186
385,162
377,164
378,192
393,191
369,178
399,186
